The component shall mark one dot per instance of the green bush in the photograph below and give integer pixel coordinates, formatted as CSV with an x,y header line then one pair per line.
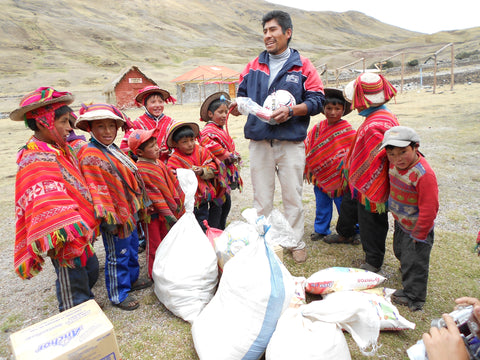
x,y
413,62
466,54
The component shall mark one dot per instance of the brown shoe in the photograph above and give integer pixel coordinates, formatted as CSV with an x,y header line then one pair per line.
x,y
338,239
299,256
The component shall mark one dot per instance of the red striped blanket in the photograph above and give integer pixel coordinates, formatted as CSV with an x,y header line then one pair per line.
x,y
367,165
162,188
53,209
215,139
325,148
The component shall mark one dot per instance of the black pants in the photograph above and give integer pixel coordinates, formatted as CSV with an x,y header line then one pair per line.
x,y
348,216
414,263
217,215
373,234
201,213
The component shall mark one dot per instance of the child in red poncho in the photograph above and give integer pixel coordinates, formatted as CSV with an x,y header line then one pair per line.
x,y
119,199
326,146
210,171
162,188
54,210
215,137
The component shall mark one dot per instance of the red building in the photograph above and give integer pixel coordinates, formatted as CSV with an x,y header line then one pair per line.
x,y
123,89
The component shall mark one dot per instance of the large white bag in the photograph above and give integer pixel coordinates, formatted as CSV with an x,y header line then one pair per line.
x,y
254,290
299,337
185,271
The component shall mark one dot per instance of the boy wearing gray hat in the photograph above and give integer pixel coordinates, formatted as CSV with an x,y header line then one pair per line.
x,y
413,202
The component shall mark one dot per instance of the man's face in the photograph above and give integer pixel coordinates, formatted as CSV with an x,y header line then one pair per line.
x,y
274,38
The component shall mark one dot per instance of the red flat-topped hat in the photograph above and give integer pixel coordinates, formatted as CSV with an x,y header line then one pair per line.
x,y
153,89
41,97
369,89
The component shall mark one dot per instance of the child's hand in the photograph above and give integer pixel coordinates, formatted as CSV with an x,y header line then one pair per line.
x,y
197,170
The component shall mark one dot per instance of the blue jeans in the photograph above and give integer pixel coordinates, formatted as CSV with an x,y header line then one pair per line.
x,y
324,211
121,264
74,285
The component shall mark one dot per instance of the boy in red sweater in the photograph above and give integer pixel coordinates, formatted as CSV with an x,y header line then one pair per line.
x,y
413,203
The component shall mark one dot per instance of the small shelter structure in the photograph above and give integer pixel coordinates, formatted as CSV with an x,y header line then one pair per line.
x,y
196,85
123,89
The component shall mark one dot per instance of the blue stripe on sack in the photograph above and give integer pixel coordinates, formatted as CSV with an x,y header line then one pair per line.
x,y
273,310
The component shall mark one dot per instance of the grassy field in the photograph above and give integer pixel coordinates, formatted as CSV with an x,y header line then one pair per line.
x,y
448,124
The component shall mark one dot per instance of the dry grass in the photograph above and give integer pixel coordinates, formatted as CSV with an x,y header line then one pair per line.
x,y
448,125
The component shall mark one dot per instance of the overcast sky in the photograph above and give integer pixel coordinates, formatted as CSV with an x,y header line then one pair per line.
x,y
426,16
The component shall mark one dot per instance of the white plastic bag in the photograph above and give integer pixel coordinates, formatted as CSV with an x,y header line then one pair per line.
x,y
254,290
185,270
235,237
248,106
390,318
352,311
299,337
342,279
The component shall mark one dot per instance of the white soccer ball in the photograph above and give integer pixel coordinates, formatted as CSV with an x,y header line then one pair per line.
x,y
279,98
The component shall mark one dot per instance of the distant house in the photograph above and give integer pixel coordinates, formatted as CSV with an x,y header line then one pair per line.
x,y
196,85
123,89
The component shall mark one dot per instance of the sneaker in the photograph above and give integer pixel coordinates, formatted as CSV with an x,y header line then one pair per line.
x,y
368,267
316,236
299,256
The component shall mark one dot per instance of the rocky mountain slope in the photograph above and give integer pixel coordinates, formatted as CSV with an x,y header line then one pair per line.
x,y
83,44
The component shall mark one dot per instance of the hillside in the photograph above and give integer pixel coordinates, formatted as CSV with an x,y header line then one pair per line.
x,y
83,44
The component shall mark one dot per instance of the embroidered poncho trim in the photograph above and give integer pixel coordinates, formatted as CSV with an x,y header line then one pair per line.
x,y
208,190
215,139
162,188
325,148
53,209
113,202
367,165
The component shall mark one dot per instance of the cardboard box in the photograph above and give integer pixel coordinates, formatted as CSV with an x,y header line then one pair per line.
x,y
82,332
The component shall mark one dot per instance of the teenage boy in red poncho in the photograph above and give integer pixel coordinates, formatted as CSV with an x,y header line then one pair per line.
x,y
118,198
215,137
162,188
366,165
54,210
210,172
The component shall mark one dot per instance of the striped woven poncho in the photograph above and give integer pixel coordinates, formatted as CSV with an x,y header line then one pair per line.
x,y
162,188
325,148
221,145
53,209
367,165
208,190
113,201
145,122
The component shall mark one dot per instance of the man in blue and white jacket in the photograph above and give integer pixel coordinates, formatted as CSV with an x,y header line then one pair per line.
x,y
279,148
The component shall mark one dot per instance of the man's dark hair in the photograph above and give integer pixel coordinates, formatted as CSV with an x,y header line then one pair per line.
x,y
283,19
334,101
